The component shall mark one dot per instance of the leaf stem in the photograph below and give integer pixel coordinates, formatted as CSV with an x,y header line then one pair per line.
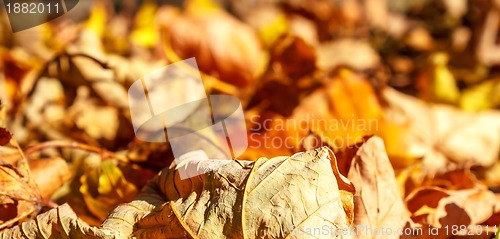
x,y
105,154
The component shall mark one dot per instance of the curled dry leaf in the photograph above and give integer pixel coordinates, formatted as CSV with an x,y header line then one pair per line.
x,y
487,49
104,187
282,197
5,136
254,201
60,222
377,203
441,208
456,177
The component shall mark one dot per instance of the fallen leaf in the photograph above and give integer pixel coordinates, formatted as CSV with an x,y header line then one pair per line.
x,y
145,33
438,133
221,44
444,209
97,19
321,206
234,197
377,202
104,187
19,195
293,56
487,49
49,174
481,97
340,114
264,134
437,82
271,23
5,136
60,222
97,122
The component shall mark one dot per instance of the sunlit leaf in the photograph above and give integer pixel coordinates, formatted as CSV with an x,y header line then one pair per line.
x,y
481,97
146,32
104,187
97,20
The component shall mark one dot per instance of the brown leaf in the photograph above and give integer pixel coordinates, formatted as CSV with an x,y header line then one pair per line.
x,y
241,199
294,56
5,136
413,178
220,43
377,203
319,200
104,187
443,208
60,222
19,196
438,132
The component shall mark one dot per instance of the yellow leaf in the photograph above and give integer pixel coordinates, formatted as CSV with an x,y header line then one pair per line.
x,y
444,85
437,133
481,97
197,7
145,33
97,20
272,31
111,178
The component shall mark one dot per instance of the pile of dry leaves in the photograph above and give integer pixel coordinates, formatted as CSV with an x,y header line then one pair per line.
x,y
366,119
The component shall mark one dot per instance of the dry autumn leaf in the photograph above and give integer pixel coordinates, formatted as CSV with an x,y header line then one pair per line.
x,y
422,76
443,209
377,202
231,196
334,115
19,196
112,188
437,132
357,54
60,222
345,111
220,43
5,136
